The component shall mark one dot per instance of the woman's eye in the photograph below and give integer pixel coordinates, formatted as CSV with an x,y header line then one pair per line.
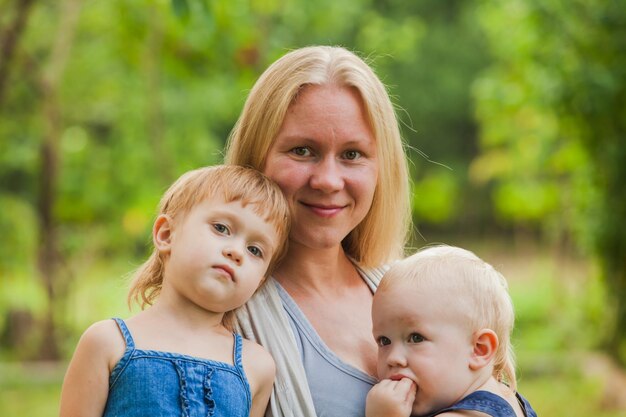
x,y
255,251
301,151
383,341
221,228
352,155
416,338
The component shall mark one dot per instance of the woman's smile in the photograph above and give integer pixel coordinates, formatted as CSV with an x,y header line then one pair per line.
x,y
324,210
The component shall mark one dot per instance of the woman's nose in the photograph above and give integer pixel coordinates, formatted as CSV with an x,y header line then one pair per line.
x,y
327,175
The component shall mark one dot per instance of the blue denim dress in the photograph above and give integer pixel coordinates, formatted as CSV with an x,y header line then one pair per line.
x,y
491,404
151,384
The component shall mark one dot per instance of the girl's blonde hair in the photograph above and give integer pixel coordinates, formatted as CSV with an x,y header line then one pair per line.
x,y
381,236
232,183
476,287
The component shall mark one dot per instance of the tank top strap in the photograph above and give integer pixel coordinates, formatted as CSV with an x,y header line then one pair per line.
x,y
125,359
483,401
128,338
237,351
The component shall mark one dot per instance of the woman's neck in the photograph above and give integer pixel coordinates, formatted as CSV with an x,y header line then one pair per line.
x,y
316,270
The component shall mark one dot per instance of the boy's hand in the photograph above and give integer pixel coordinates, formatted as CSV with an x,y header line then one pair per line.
x,y
391,398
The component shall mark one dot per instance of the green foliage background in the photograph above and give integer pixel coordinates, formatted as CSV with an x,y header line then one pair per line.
x,y
513,114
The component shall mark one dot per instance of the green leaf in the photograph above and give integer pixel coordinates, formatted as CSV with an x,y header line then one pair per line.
x,y
181,8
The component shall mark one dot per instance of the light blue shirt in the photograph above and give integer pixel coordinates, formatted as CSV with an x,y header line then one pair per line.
x,y
338,389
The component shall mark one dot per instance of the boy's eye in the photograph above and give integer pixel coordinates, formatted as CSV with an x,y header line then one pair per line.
x,y
255,251
383,341
416,338
221,228
301,151
352,155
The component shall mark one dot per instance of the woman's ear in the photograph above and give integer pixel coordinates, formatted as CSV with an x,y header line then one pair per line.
x,y
484,346
162,232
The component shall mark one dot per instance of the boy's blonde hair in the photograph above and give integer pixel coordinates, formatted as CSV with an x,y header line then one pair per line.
x,y
232,183
381,236
473,285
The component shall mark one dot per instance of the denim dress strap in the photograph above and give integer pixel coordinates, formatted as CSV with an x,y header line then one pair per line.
x,y
483,401
237,353
128,338
130,348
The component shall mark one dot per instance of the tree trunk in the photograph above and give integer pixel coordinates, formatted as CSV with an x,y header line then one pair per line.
x,y
10,39
154,109
49,255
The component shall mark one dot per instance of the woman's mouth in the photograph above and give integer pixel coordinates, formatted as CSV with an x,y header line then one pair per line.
x,y
326,211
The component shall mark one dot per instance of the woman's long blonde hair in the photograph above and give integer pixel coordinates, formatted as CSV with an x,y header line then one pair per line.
x,y
232,183
382,234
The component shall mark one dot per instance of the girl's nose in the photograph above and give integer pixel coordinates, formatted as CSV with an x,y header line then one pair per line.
x,y
327,176
235,255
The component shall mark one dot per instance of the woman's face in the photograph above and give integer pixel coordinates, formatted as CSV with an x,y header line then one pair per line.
x,y
324,159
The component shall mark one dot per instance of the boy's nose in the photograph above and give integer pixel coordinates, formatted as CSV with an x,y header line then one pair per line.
x,y
396,357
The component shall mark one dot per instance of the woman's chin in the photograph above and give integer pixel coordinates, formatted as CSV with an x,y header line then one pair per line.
x,y
320,240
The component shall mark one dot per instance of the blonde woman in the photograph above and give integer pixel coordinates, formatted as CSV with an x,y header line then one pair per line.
x,y
320,123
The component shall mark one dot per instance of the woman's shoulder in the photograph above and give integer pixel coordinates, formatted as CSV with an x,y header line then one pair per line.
x,y
372,274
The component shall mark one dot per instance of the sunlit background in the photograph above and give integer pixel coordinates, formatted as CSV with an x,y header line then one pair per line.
x,y
513,113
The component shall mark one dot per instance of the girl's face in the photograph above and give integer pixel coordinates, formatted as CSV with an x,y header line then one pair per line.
x,y
424,337
324,159
216,255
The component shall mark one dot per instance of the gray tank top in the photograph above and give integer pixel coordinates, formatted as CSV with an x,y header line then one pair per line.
x,y
338,389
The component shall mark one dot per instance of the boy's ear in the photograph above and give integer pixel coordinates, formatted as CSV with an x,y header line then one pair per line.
x,y
484,346
162,233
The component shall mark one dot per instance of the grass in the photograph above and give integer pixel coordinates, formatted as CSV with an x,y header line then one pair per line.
x,y
30,389
559,307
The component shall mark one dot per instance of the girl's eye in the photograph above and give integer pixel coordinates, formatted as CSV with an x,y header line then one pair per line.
x,y
255,251
352,155
416,338
221,228
383,341
301,151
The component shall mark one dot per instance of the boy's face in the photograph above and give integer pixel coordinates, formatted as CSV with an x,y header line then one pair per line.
x,y
423,336
218,254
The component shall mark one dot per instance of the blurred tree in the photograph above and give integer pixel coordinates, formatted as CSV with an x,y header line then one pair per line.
x,y
553,116
151,89
49,256
436,51
9,38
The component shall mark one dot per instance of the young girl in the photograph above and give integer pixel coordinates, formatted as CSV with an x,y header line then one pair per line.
x,y
442,319
219,232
